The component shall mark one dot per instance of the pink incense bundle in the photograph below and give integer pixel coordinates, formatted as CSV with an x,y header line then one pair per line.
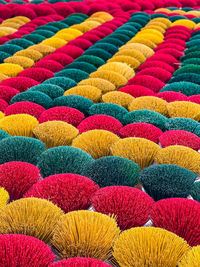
x,y
171,96
180,137
147,81
20,83
137,90
24,107
66,114
130,205
103,122
142,130
37,74
180,216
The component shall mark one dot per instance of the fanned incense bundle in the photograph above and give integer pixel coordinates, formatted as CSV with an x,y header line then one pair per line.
x,y
30,53
109,109
20,148
180,216
25,250
121,68
149,246
132,62
139,150
130,205
185,124
24,107
167,181
181,156
115,78
65,114
118,98
24,62
80,103
184,109
55,133
37,74
85,233
142,130
180,137
51,65
36,97
30,216
19,83
62,189
88,91
150,103
103,122
51,90
108,171
103,84
63,159
19,125
17,177
10,70
95,142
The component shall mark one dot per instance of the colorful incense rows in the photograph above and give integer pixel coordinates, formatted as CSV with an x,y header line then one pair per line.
x,y
99,133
